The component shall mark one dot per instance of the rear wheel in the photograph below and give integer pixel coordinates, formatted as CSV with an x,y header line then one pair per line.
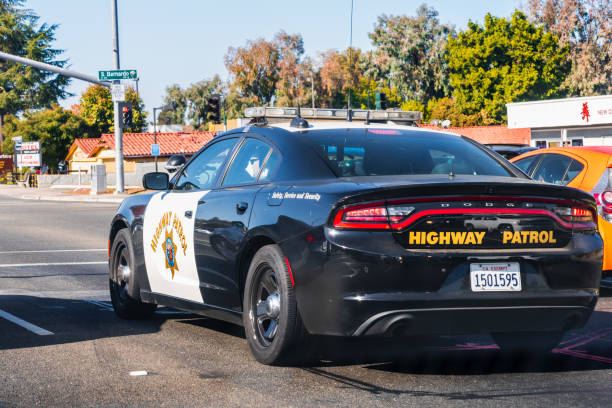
x,y
534,342
121,277
271,320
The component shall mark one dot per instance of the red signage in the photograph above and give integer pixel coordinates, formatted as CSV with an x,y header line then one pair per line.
x,y
6,164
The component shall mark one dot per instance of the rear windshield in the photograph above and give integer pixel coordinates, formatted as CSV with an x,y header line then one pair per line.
x,y
378,152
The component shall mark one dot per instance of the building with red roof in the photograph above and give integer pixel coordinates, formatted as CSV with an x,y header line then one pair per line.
x,y
84,153
499,134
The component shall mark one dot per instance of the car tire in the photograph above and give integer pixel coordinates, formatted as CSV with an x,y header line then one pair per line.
x,y
121,275
527,342
271,319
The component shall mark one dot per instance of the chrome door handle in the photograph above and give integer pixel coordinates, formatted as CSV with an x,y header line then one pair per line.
x,y
188,214
241,207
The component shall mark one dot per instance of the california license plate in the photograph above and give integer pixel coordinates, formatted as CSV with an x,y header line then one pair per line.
x,y
495,277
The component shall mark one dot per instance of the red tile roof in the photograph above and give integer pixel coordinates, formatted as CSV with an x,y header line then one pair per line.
x,y
87,146
489,134
139,144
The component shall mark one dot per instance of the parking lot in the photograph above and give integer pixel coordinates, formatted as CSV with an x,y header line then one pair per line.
x,y
62,345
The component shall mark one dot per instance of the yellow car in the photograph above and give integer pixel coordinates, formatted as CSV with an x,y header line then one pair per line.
x,y
588,168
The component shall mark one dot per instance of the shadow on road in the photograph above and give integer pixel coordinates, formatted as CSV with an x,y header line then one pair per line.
x,y
70,320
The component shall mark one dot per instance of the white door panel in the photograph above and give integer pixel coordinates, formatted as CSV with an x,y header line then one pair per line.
x,y
168,244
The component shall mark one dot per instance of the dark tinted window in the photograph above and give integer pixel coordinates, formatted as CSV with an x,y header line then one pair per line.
x,y
554,169
376,152
203,170
247,164
527,163
270,167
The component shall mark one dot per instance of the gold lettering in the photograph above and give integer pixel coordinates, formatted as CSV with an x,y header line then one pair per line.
x,y
516,238
507,236
543,237
415,238
524,235
445,238
533,237
551,239
432,238
458,237
470,239
479,236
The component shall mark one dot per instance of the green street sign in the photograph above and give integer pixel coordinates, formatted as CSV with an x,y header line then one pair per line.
x,y
111,75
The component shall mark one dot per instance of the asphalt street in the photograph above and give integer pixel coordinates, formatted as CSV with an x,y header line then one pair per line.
x,y
62,345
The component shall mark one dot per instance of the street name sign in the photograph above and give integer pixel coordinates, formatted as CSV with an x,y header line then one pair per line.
x,y
112,75
118,92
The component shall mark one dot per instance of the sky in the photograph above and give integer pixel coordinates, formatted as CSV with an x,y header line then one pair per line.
x,y
184,41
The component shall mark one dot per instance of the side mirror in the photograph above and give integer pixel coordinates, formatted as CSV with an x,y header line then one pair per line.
x,y
155,181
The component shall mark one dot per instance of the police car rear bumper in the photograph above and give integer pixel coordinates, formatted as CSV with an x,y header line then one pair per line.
x,y
349,292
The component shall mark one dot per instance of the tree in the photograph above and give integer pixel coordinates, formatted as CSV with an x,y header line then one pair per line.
x,y
409,54
23,87
55,128
197,99
504,61
96,107
175,97
264,72
341,73
586,26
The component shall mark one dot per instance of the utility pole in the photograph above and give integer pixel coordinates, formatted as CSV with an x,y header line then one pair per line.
x,y
350,63
119,184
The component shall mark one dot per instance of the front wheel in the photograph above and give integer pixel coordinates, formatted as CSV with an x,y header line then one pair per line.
x,y
530,342
121,277
270,316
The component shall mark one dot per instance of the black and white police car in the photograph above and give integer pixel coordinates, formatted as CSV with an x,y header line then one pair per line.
x,y
358,227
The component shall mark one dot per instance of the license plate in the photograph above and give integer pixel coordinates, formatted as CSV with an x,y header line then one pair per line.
x,y
495,277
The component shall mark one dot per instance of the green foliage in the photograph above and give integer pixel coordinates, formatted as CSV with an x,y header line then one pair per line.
x,y
55,128
23,87
504,61
96,107
364,95
584,25
196,97
175,96
409,54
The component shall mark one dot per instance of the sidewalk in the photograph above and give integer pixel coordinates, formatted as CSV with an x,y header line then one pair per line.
x,y
57,194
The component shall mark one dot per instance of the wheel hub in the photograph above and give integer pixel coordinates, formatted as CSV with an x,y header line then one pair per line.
x,y
273,305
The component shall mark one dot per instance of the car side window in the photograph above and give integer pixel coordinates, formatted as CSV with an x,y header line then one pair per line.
x,y
201,173
574,169
247,163
270,167
553,169
526,164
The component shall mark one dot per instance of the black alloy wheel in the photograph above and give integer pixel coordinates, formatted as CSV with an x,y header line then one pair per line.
x,y
270,316
121,277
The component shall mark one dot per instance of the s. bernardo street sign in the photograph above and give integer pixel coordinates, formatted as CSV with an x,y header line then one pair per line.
x,y
115,74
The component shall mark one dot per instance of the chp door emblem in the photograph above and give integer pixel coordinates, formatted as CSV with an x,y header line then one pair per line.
x,y
169,223
170,250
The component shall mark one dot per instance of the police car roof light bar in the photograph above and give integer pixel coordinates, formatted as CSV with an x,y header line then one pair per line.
x,y
258,112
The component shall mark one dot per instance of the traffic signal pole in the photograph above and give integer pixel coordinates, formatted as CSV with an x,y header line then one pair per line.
x,y
119,179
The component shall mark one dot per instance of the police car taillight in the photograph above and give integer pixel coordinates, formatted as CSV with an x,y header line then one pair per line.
x,y
579,217
371,216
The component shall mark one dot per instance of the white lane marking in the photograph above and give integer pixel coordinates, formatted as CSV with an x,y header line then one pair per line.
x,y
53,264
138,373
53,250
26,325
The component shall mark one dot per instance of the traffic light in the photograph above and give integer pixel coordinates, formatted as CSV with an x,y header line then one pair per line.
x,y
214,108
383,101
126,115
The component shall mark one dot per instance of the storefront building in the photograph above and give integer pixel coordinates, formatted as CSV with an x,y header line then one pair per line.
x,y
585,121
